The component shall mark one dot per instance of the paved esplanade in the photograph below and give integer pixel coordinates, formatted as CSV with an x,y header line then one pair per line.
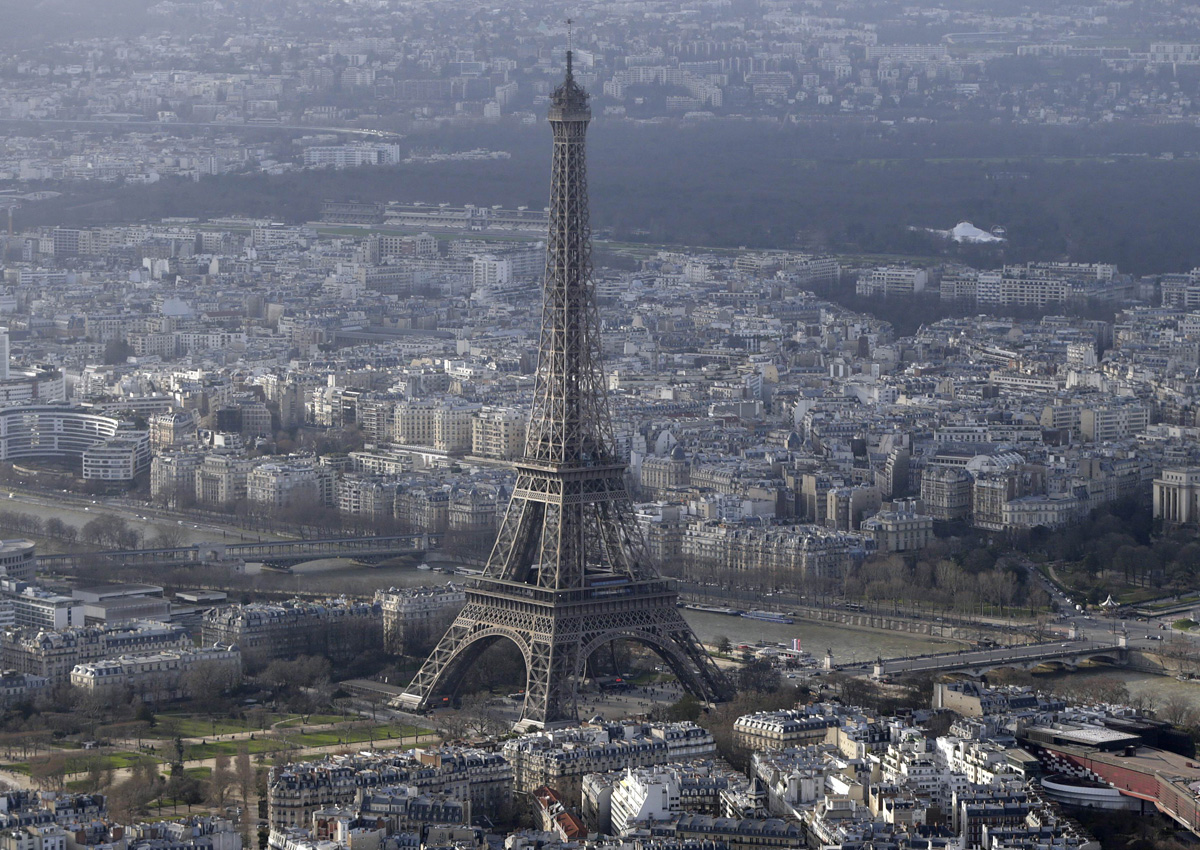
x,y
569,572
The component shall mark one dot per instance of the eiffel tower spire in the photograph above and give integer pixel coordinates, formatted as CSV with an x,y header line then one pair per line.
x,y
568,572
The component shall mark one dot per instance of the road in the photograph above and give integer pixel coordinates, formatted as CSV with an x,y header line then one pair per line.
x,y
1149,633
999,657
147,521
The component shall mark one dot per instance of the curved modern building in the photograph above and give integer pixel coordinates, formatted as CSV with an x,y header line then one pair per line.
x,y
59,431
18,559
1087,793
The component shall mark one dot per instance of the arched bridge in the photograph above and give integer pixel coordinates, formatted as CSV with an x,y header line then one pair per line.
x,y
278,552
981,660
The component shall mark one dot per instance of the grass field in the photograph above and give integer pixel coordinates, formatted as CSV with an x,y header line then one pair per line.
x,y
316,720
81,760
212,749
195,726
356,735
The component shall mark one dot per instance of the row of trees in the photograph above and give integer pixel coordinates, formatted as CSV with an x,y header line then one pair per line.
x,y
956,574
857,189
103,531
1118,546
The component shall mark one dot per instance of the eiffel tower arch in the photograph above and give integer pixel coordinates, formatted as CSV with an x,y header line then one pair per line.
x,y
569,571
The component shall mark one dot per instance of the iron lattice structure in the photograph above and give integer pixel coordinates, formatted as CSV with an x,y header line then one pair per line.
x,y
568,572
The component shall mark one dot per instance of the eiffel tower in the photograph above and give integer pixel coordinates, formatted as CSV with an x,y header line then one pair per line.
x,y
568,572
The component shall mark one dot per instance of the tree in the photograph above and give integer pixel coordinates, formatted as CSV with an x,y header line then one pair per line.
x,y
724,645
1178,710
220,781
758,676
169,537
687,708
116,352
184,788
246,781
49,772
480,716
244,771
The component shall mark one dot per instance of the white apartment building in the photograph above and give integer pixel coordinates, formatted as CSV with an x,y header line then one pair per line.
x,y
641,795
890,281
119,458
159,675
498,433
414,614
173,476
222,478
278,486
1114,422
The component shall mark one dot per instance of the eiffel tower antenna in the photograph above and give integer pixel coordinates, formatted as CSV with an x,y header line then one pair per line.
x,y
569,572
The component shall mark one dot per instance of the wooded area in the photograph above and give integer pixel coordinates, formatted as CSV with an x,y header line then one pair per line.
x,y
1094,194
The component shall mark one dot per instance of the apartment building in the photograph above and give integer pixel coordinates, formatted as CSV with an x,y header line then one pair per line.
x,y
484,780
338,629
167,675
412,616
498,433
54,654
560,758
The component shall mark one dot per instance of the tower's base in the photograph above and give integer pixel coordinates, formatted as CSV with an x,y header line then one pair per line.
x,y
556,632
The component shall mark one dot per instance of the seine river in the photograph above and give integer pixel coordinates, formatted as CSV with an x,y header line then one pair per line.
x,y
848,645
1158,689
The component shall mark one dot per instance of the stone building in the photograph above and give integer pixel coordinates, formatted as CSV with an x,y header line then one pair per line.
x,y
338,629
482,779
54,655
170,674
560,758
413,616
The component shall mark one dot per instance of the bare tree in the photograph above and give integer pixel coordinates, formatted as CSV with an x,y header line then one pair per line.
x,y
49,772
1178,710
220,781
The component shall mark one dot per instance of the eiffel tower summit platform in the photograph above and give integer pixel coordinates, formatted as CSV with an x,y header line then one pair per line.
x,y
569,572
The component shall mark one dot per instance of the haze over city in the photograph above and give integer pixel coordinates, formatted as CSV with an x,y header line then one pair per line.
x,y
636,426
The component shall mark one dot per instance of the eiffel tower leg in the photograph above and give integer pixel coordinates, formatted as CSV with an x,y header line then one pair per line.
x,y
472,632
668,635
553,675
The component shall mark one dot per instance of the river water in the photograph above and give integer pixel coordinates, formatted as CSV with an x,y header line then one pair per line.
x,y
848,645
1158,689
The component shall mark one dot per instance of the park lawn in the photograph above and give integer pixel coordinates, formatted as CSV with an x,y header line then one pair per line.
x,y
80,760
333,737
211,749
199,726
194,726
114,760
1134,595
317,720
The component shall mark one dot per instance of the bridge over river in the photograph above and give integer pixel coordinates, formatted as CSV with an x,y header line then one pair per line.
x,y
1029,655
278,553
